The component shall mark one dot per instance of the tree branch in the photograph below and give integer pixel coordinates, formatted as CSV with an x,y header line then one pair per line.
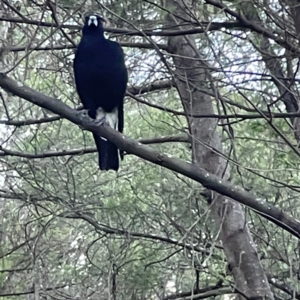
x,y
148,236
244,23
241,24
13,294
134,90
202,294
158,140
205,26
63,47
189,170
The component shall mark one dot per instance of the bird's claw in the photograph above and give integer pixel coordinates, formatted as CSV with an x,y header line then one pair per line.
x,y
100,121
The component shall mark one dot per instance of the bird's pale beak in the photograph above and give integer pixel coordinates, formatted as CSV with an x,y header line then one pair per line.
x,y
93,20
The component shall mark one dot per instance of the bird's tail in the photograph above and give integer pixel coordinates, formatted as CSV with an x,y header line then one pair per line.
x,y
108,154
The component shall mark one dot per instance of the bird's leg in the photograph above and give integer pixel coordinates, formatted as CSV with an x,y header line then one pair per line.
x,y
112,118
101,118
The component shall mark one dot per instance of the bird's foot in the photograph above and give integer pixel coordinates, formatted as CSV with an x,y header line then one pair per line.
x,y
112,119
100,121
106,123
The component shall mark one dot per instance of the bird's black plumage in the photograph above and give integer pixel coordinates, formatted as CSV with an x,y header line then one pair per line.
x,y
101,80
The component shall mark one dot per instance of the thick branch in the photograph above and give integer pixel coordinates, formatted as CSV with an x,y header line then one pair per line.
x,y
207,179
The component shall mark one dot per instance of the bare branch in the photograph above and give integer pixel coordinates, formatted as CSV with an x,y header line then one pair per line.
x,y
157,140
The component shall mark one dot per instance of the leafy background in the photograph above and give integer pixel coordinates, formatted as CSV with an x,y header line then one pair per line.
x,y
69,231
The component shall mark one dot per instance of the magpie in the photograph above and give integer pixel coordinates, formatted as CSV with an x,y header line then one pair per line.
x,y
101,79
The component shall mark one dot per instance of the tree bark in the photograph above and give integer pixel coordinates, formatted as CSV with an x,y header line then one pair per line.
x,y
191,75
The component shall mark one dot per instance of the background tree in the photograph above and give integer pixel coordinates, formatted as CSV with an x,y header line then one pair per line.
x,y
214,83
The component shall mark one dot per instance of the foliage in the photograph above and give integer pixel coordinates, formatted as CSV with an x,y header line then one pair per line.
x,y
70,231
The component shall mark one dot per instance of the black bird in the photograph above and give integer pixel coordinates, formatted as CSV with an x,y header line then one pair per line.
x,y
101,80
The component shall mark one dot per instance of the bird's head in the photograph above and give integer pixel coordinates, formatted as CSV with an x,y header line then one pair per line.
x,y
93,24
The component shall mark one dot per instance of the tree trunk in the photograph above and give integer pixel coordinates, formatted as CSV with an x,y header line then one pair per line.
x,y
191,75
